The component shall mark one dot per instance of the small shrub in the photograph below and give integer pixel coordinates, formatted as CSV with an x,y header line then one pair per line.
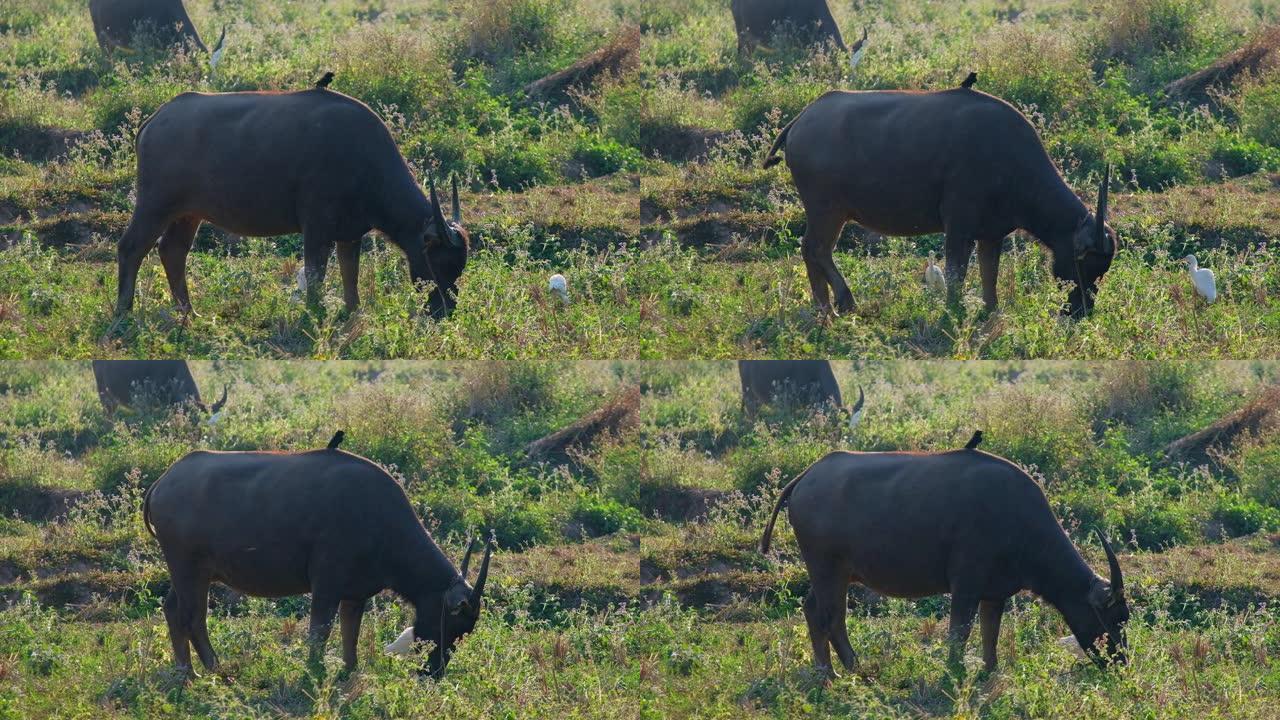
x,y
1241,515
604,516
1259,108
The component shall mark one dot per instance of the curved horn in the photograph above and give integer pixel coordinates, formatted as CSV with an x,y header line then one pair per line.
x,y
437,214
484,566
213,410
457,209
1101,232
862,400
466,559
1117,578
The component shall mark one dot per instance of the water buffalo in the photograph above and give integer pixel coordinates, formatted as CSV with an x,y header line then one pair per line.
x,y
169,382
757,20
270,163
326,522
957,161
963,522
808,381
116,21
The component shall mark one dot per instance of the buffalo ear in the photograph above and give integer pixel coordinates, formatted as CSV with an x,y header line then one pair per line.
x,y
1100,595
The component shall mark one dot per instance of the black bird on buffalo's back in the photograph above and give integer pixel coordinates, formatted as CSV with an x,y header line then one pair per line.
x,y
908,163
970,81
324,81
974,441
337,440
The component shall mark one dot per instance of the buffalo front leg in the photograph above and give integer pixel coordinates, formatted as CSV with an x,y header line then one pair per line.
x,y
989,267
958,250
816,247
143,231
175,245
989,613
349,265
315,261
351,612
323,609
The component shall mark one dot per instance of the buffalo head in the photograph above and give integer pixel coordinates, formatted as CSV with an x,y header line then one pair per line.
x,y
447,245
1093,247
1101,614
453,614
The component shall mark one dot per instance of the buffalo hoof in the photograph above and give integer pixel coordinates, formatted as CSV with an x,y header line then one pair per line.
x,y
844,303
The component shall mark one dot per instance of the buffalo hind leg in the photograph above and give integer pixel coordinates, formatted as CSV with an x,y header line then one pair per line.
x,y
819,242
143,231
989,266
179,635
989,613
175,245
818,637
199,625
351,612
838,631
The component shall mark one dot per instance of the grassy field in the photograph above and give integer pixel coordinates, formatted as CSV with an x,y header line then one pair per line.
x,y
1204,580
645,191
627,584
81,634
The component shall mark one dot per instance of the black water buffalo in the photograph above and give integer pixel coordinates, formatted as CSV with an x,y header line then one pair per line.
x,y
325,522
757,20
918,524
271,163
168,382
807,381
957,161
116,21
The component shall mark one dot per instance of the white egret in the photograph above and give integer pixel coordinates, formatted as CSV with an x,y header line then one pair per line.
x,y
401,645
560,287
934,279
855,414
858,50
216,56
1202,278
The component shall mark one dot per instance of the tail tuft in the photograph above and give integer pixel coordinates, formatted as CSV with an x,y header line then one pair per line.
x,y
771,161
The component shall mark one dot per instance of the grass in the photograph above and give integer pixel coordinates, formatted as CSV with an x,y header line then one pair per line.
x,y
627,583
645,190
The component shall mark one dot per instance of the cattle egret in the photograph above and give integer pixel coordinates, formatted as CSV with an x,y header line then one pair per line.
x,y
859,48
933,277
560,287
403,644
300,279
855,417
216,56
1203,279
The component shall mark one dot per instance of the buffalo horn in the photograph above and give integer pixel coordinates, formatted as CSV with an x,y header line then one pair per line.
x,y
1101,237
457,209
484,567
466,559
1117,578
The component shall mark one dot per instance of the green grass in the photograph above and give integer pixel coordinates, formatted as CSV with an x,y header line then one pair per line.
x,y
646,192
627,583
